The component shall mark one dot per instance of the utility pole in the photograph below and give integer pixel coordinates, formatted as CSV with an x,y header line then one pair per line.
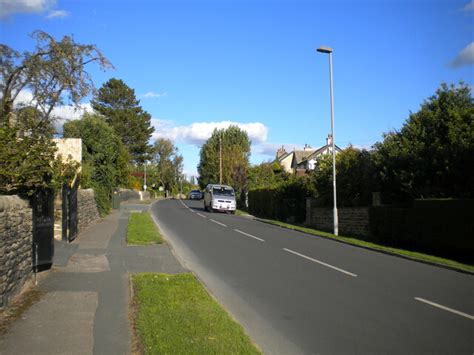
x,y
220,158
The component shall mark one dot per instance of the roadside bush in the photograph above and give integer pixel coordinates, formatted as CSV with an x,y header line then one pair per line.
x,y
441,227
355,179
104,156
432,155
286,202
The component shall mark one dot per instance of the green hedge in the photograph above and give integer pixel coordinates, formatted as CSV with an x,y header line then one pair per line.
x,y
286,202
442,227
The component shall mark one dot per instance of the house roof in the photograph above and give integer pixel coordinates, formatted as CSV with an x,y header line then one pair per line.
x,y
302,155
284,156
298,157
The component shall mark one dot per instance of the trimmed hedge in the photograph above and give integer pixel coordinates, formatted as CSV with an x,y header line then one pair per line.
x,y
286,202
441,227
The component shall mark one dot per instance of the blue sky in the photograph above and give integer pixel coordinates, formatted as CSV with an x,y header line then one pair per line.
x,y
196,65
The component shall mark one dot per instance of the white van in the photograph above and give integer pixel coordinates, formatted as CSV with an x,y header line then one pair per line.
x,y
219,198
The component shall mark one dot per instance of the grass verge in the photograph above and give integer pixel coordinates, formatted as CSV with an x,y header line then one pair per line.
x,y
173,314
369,245
241,213
142,230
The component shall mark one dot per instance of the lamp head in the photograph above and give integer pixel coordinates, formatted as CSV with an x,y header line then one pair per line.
x,y
324,49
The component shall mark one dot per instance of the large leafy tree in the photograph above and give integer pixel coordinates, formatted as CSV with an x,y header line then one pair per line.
x,y
356,178
266,175
167,164
104,157
54,73
432,155
235,146
118,104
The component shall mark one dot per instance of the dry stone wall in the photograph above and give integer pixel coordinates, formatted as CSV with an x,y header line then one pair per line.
x,y
16,233
86,208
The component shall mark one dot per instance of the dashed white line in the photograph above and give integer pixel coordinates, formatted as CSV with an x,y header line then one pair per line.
x,y
320,262
249,235
217,222
459,313
201,215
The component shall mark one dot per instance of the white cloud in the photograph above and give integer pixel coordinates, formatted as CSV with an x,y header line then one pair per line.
x,y
57,14
197,133
60,113
469,6
154,95
24,97
67,113
465,57
10,7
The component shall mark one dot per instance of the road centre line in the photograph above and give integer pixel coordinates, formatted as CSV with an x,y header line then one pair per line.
x,y
201,215
459,313
320,262
249,235
219,223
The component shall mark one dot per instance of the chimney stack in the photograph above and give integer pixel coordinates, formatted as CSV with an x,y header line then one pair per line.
x,y
329,140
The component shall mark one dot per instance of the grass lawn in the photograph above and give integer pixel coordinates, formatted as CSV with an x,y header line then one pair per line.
x,y
175,315
142,230
406,253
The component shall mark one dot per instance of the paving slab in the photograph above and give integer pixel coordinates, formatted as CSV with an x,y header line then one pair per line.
x,y
85,309
60,323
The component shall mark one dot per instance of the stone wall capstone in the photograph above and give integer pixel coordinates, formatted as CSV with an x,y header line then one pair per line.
x,y
86,208
16,239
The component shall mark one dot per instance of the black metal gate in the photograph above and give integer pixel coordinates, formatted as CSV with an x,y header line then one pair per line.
x,y
43,228
69,212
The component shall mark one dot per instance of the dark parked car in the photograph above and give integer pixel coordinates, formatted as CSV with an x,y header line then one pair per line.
x,y
195,195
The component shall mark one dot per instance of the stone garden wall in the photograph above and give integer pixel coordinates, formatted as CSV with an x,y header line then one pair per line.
x,y
353,221
16,233
86,208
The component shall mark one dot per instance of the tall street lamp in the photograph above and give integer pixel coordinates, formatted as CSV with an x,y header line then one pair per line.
x,y
144,181
329,51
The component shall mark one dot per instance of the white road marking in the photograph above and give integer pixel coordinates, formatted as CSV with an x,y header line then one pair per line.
x,y
193,211
321,263
219,223
445,308
201,215
249,235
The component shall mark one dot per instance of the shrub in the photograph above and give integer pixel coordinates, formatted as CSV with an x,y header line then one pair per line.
x,y
105,158
286,201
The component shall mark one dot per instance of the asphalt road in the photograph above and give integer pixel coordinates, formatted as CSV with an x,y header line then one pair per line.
x,y
296,293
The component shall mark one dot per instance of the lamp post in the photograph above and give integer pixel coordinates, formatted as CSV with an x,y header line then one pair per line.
x,y
144,180
328,50
220,158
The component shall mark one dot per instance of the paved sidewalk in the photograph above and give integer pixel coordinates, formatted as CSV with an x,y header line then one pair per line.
x,y
85,307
